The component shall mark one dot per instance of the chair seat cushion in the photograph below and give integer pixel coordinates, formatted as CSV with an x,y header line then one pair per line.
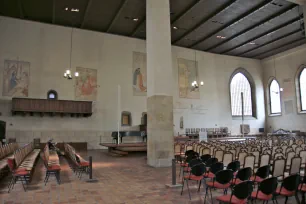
x,y
256,179
302,187
193,177
284,192
187,169
236,181
54,168
261,196
209,175
84,163
218,185
234,200
184,165
21,173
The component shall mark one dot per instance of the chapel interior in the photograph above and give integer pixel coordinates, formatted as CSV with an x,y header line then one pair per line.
x,y
152,101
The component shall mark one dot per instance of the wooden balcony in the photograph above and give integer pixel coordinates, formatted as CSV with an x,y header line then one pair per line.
x,y
51,107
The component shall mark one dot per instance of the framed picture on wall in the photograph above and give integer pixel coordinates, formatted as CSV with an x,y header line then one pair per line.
x,y
126,118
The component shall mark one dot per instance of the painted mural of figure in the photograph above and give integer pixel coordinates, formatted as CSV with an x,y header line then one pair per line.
x,y
13,79
138,81
88,86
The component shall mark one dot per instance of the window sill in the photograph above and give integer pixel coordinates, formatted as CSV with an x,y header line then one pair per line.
x,y
302,112
275,114
245,118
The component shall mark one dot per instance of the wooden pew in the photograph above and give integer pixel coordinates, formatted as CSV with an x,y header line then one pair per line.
x,y
22,164
77,163
52,164
6,151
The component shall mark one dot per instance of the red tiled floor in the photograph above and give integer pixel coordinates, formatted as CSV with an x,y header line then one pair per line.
x,y
121,180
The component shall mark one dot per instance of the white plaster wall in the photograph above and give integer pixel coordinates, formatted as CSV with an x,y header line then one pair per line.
x,y
286,65
47,48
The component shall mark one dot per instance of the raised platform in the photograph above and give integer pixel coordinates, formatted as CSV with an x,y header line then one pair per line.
x,y
124,148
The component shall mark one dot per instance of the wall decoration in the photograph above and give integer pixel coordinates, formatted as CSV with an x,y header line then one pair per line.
x,y
126,118
139,74
288,107
16,78
181,122
86,84
188,73
288,87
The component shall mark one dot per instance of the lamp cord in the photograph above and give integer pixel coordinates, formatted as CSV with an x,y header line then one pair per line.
x,y
71,47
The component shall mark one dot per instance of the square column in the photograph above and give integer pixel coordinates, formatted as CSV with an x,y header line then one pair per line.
x,y
304,12
160,142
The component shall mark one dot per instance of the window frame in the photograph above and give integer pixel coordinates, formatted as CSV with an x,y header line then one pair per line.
x,y
298,89
249,77
52,92
269,94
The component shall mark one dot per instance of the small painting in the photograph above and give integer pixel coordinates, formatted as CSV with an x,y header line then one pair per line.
x,y
86,84
139,74
181,122
126,119
16,78
188,73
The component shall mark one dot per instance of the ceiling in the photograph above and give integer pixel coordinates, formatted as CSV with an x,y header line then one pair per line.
x,y
246,28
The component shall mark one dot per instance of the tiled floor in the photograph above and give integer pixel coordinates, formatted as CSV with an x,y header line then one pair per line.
x,y
125,180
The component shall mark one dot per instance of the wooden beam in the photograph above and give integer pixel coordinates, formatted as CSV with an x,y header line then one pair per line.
x,y
300,2
138,27
269,32
20,7
179,17
203,20
89,2
117,15
53,11
252,27
250,12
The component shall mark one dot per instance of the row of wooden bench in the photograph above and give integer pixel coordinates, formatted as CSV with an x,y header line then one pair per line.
x,y
76,162
6,151
22,164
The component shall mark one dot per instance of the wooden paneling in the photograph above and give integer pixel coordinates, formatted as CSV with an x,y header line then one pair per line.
x,y
28,105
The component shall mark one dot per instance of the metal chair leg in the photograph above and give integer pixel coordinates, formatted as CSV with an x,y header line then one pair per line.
x,y
11,184
182,187
199,185
21,179
188,189
211,196
205,195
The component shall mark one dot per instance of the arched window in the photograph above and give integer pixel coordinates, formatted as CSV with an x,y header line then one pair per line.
x,y
275,103
52,95
241,82
302,88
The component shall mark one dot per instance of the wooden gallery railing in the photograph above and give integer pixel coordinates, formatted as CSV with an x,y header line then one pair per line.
x,y
51,107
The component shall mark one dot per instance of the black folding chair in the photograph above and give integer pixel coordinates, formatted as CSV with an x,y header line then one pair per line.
x,y
240,193
221,181
266,190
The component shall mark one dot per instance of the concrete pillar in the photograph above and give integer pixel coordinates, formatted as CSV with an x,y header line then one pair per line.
x,y
159,84
304,12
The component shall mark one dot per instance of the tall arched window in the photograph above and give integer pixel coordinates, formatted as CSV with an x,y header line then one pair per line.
x,y
302,84
275,103
241,84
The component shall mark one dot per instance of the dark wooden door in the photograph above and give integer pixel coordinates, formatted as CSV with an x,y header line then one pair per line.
x,y
2,130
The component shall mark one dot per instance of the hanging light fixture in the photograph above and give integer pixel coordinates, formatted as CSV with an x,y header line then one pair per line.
x,y
195,84
280,89
68,74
